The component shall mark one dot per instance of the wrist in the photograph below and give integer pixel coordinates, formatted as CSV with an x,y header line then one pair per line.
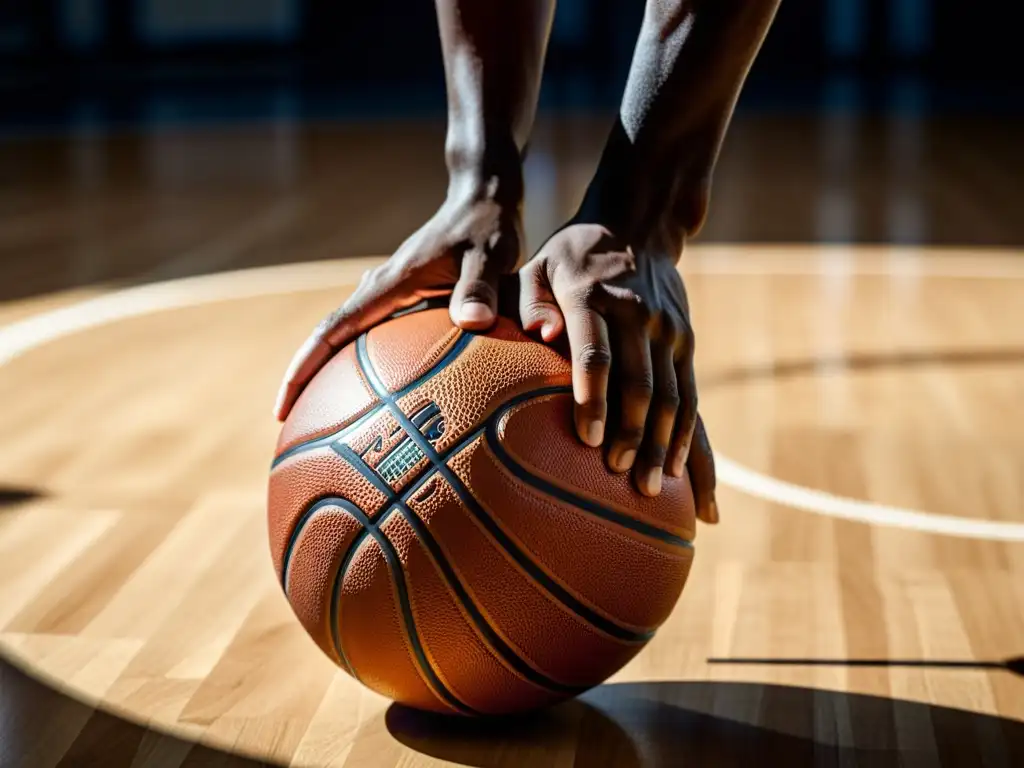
x,y
484,166
616,197
636,192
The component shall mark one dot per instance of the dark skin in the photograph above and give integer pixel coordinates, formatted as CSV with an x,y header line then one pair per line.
x,y
608,278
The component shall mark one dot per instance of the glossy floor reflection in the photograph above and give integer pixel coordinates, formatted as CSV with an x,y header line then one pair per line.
x,y
147,204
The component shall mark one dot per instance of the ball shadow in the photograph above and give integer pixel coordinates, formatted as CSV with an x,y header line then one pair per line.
x,y
42,724
629,725
11,497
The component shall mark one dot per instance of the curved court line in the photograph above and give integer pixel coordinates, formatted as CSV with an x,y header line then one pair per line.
x,y
24,335
799,497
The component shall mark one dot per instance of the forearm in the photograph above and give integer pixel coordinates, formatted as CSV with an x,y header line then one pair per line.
x,y
493,58
690,63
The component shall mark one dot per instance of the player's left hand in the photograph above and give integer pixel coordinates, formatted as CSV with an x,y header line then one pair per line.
x,y
626,316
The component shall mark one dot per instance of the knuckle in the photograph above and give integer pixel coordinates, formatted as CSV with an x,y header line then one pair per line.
x,y
594,358
669,399
639,385
532,308
630,435
656,453
587,295
532,271
325,326
691,405
478,290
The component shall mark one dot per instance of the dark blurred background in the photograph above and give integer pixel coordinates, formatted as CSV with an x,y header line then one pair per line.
x,y
313,128
139,61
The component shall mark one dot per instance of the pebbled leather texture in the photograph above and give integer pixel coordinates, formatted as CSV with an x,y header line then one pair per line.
x,y
545,578
549,452
314,562
319,410
424,338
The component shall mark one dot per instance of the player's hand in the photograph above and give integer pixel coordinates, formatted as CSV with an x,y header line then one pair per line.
x,y
462,250
626,316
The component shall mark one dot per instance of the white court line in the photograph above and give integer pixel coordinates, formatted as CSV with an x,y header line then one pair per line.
x,y
20,337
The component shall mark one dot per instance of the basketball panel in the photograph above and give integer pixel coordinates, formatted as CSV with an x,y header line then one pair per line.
x,y
539,436
633,582
373,635
406,348
305,478
470,669
336,397
489,372
313,566
546,635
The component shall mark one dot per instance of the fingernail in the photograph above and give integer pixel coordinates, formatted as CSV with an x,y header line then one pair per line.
x,y
625,460
476,314
713,512
652,481
595,433
678,466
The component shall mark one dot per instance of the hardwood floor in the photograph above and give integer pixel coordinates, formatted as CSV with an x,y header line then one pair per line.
x,y
862,602
135,576
128,207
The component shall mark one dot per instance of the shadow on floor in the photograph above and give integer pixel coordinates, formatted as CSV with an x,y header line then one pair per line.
x,y
619,725
40,725
629,725
11,497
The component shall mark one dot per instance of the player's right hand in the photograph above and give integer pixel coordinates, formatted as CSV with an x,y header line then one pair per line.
x,y
462,250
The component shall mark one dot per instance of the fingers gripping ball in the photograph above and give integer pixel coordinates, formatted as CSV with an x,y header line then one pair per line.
x,y
444,536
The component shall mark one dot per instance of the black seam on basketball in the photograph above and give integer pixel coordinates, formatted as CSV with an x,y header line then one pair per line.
x,y
342,566
581,503
293,538
398,579
325,440
394,566
461,593
339,582
556,590
308,445
430,470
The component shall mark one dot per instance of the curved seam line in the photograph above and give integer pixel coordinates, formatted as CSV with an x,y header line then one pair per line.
x,y
293,538
339,582
420,659
405,615
431,470
484,630
526,572
546,582
583,504
319,442
459,343
307,516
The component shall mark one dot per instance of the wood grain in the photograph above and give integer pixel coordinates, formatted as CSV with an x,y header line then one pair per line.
x,y
138,580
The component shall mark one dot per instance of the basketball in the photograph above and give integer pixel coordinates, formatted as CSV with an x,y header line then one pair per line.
x,y
443,535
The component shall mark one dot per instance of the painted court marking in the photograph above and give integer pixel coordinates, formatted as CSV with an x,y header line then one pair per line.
x,y
22,336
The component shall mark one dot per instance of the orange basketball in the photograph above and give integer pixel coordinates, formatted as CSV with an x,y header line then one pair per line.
x,y
444,536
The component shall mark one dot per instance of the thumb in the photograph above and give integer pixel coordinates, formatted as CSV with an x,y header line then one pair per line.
x,y
474,304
